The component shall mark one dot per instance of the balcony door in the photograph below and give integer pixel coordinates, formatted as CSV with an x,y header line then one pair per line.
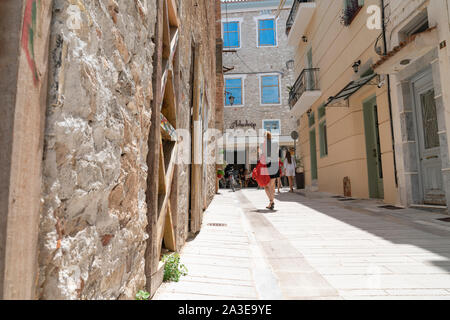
x,y
309,75
313,151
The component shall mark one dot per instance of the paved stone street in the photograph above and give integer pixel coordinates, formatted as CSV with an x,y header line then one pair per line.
x,y
314,247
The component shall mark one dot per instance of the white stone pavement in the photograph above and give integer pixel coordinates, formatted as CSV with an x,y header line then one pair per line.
x,y
317,248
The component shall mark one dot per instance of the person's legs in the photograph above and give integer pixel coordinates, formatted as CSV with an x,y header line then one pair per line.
x,y
291,183
272,190
267,190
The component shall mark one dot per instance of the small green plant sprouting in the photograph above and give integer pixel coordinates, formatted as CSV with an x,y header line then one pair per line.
x,y
142,295
173,269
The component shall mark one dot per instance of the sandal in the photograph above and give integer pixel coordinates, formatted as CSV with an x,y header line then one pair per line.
x,y
272,207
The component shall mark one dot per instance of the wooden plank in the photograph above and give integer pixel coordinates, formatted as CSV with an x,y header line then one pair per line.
x,y
173,15
161,176
178,223
166,33
169,234
151,252
168,184
169,106
196,180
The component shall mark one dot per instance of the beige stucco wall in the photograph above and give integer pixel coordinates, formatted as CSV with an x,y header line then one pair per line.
x,y
335,48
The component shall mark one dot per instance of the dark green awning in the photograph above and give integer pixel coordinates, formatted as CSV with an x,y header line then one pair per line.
x,y
350,89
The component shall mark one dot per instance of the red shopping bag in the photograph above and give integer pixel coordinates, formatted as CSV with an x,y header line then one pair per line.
x,y
261,175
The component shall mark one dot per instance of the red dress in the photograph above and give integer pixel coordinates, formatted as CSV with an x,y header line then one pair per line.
x,y
261,174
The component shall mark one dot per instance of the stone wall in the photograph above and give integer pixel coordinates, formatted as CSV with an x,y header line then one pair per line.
x,y
79,98
92,231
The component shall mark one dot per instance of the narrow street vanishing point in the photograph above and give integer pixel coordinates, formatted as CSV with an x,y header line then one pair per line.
x,y
224,150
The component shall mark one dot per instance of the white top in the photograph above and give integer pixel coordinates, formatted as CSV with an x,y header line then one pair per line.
x,y
290,168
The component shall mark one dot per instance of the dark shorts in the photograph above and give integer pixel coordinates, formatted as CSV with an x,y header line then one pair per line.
x,y
274,176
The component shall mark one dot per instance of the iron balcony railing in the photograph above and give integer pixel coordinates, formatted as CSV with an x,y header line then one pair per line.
x,y
308,80
293,14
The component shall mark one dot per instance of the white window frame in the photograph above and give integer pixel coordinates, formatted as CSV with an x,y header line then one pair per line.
x,y
235,76
266,17
272,120
227,20
260,89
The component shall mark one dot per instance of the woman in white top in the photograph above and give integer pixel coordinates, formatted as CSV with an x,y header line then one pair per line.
x,y
289,165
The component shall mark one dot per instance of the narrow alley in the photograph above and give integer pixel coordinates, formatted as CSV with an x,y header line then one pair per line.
x,y
140,137
313,248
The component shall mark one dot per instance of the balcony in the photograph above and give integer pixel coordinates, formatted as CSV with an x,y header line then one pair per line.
x,y
305,92
299,19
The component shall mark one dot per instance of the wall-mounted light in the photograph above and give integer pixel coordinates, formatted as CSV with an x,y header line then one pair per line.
x,y
356,66
230,98
290,64
305,39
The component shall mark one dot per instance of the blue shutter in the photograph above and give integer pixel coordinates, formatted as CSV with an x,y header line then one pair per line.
x,y
231,35
267,32
233,88
270,88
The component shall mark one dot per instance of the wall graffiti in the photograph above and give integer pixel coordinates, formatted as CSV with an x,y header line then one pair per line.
x,y
28,35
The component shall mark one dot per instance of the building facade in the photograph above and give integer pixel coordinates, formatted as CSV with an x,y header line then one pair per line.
x,y
92,194
417,66
258,71
344,113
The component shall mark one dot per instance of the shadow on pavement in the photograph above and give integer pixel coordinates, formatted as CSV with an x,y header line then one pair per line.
x,y
397,230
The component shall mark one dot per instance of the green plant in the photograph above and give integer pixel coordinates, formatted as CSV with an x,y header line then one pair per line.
x,y
173,269
299,163
142,295
290,89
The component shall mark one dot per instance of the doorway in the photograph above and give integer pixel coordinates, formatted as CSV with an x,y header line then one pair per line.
x,y
426,121
373,149
313,151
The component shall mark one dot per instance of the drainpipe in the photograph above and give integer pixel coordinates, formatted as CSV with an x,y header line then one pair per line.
x,y
383,19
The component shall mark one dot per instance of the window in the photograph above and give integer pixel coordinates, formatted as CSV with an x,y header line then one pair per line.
x,y
323,139
231,35
311,119
270,90
267,35
233,87
351,9
322,111
273,126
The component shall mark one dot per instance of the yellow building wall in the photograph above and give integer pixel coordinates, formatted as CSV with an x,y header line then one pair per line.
x,y
335,48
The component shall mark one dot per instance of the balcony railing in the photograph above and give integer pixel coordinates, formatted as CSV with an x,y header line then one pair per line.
x,y
308,80
350,11
293,14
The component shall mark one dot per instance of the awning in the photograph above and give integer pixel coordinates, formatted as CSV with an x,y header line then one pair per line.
x,y
407,52
350,89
